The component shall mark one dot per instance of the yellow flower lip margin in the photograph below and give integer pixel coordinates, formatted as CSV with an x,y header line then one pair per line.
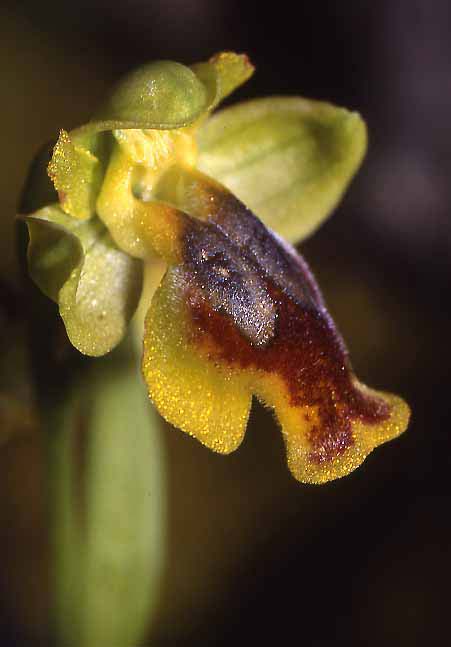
x,y
239,314
143,186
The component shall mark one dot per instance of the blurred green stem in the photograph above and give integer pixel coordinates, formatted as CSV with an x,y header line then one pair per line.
x,y
108,505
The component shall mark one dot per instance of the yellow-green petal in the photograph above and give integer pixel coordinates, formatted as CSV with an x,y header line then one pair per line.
x,y
288,159
223,74
96,285
76,174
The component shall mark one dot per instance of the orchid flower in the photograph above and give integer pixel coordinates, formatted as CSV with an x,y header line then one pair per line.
x,y
238,313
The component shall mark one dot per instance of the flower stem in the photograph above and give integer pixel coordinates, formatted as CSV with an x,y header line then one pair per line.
x,y
107,502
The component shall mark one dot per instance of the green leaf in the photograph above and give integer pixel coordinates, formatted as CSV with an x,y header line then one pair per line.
x,y
109,507
288,159
96,286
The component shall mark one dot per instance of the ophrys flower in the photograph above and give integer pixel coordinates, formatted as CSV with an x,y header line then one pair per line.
x,y
238,312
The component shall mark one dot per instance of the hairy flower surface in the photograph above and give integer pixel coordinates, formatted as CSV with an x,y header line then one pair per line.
x,y
238,313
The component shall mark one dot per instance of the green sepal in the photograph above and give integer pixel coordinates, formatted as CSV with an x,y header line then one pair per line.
x,y
288,159
161,95
96,285
223,74
53,251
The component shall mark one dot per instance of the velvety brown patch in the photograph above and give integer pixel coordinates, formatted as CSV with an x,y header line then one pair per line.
x,y
306,354
302,345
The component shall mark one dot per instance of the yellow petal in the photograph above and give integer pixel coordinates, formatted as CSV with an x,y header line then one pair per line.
x,y
139,228
197,396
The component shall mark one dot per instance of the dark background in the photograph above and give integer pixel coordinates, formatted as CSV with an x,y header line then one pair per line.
x,y
255,556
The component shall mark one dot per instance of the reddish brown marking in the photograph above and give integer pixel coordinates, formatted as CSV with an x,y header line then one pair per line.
x,y
307,354
62,197
305,350
247,61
